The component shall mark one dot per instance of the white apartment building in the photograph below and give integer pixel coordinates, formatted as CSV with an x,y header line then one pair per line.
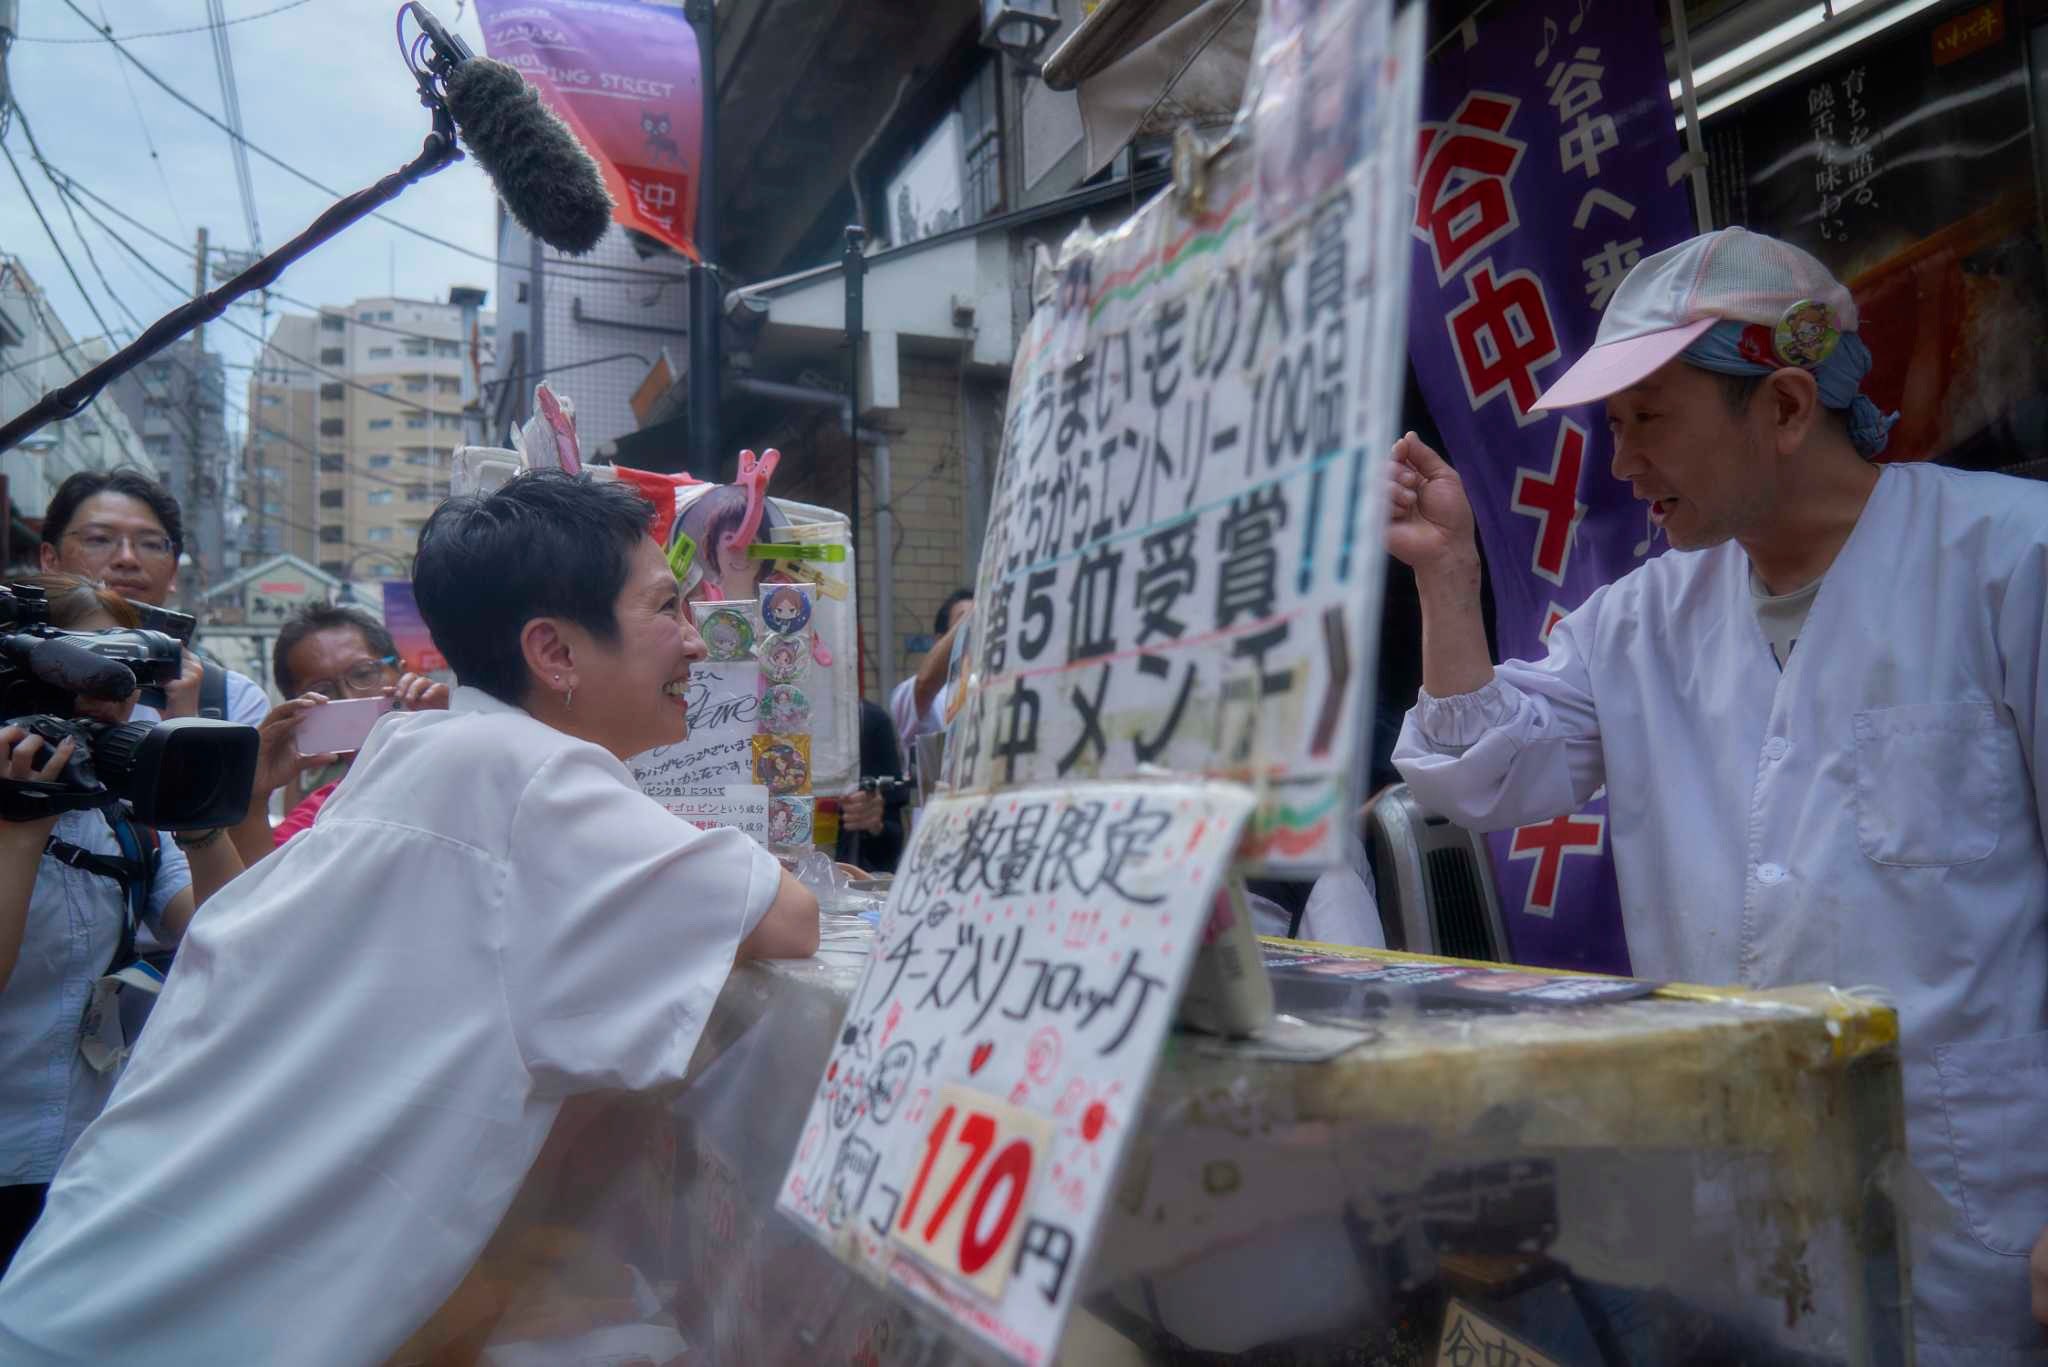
x,y
38,353
354,416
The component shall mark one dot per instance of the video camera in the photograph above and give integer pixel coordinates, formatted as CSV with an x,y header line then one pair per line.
x,y
188,773
179,626
895,790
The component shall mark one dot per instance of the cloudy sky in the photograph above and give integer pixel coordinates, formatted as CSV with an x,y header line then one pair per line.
x,y
322,86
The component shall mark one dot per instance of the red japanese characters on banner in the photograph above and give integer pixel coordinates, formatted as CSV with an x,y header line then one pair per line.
x,y
1548,843
625,77
1553,499
1539,182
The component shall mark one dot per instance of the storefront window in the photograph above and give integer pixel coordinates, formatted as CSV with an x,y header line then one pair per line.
x,y
1907,165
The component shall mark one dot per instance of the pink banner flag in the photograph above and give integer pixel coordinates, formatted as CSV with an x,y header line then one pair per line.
x,y
625,77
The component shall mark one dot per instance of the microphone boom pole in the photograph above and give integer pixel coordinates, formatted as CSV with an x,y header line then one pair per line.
x,y
69,400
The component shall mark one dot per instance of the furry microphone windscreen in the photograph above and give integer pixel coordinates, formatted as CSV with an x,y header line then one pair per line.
x,y
548,182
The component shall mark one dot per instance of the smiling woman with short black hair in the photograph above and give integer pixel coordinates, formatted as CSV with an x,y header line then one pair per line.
x,y
367,1039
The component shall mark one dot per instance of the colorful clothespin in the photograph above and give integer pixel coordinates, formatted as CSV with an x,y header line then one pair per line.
x,y
753,477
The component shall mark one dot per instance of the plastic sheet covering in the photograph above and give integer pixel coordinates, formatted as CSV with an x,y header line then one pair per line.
x,y
1694,1177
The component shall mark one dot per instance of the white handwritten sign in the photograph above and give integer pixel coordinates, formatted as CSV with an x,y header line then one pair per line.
x,y
964,1137
718,753
1183,565
743,807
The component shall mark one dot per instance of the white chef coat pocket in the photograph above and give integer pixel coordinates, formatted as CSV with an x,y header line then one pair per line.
x,y
1994,1096
1930,780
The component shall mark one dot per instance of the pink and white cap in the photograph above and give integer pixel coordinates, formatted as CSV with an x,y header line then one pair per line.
x,y
1668,300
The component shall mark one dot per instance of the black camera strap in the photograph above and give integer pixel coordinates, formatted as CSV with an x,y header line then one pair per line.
x,y
134,870
213,691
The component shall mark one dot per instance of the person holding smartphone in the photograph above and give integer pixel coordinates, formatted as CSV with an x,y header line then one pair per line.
x,y
325,653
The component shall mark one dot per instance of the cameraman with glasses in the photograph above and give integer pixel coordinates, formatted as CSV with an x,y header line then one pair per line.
x,y
77,891
324,654
124,530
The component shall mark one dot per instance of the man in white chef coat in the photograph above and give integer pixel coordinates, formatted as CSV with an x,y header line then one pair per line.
x,y
1820,720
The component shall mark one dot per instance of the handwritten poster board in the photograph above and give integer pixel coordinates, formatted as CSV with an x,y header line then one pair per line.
x,y
724,698
962,1142
1183,567
744,808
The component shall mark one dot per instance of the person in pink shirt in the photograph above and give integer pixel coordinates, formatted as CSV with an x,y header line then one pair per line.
x,y
324,653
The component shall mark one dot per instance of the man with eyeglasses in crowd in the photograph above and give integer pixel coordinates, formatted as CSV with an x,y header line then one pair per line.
x,y
324,653
124,530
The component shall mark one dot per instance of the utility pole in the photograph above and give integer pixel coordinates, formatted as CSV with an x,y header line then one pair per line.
x,y
199,287
7,21
195,379
854,264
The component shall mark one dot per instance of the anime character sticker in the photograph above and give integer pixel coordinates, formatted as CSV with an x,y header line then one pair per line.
x,y
784,659
727,632
786,608
790,820
1806,334
782,764
785,708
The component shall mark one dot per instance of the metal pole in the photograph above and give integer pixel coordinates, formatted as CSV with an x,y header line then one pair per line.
x,y
195,510
1689,105
856,267
707,302
199,290
884,572
536,329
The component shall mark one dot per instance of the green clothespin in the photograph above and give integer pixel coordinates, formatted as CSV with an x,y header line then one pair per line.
x,y
682,554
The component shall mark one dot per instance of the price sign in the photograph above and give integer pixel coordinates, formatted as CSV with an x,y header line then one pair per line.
x,y
961,1215
964,1139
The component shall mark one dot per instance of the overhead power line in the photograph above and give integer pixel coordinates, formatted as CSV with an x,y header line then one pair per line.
x,y
104,32
51,355
37,152
64,184
231,106
329,190
36,305
51,233
242,411
66,181
251,333
148,138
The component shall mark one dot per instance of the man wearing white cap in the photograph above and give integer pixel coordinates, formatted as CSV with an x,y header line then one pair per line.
x,y
1867,808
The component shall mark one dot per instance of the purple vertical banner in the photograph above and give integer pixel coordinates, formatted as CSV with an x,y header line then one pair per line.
x,y
1545,171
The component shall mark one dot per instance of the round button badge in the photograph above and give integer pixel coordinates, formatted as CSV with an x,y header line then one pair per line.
x,y
728,635
783,658
1806,334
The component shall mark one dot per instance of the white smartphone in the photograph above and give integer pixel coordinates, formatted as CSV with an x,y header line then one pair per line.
x,y
339,728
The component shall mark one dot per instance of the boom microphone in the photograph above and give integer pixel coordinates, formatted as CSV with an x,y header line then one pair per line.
x,y
550,185
548,182
546,179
